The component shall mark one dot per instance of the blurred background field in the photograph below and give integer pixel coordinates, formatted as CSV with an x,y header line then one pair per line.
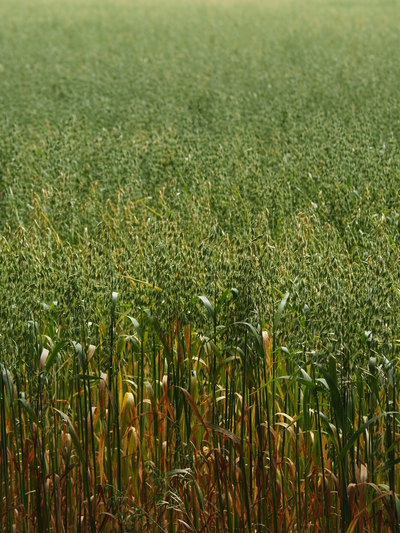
x,y
252,144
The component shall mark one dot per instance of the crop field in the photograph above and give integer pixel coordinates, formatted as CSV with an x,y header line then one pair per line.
x,y
199,266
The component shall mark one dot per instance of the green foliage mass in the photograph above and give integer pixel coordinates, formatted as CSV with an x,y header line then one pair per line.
x,y
154,151
198,146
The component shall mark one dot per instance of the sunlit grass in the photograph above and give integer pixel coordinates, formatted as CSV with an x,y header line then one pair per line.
x,y
164,150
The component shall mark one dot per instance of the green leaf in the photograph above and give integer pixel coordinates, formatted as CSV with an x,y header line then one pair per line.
x,y
8,384
281,308
255,334
208,306
336,399
53,354
137,327
361,430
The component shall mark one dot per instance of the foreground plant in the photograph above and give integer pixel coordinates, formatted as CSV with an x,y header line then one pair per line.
x,y
177,430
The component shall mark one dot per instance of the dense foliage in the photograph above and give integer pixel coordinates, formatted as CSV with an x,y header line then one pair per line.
x,y
166,150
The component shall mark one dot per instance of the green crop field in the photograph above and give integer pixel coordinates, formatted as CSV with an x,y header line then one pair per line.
x,y
199,265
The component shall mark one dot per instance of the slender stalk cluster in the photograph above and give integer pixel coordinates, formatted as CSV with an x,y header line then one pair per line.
x,y
174,429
